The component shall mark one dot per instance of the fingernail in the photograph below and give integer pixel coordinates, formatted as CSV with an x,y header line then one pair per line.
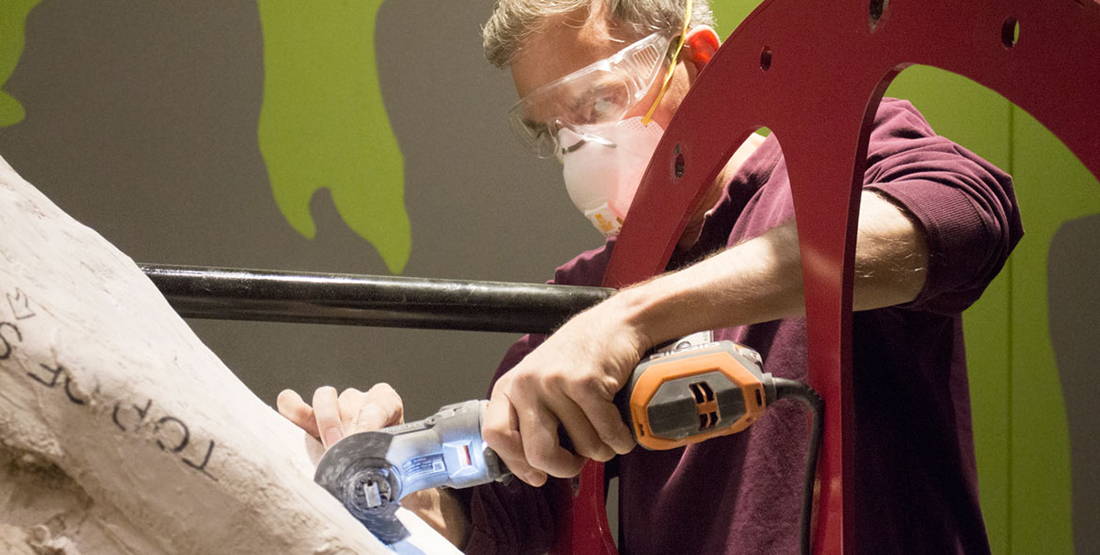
x,y
331,436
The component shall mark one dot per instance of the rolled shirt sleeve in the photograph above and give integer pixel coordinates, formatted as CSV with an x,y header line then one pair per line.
x,y
965,205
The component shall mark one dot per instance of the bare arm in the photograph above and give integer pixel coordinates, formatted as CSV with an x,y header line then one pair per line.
x,y
761,280
573,377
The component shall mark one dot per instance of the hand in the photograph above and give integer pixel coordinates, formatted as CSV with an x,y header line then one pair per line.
x,y
332,416
570,380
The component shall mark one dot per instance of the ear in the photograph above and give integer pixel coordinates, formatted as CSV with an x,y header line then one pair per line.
x,y
700,44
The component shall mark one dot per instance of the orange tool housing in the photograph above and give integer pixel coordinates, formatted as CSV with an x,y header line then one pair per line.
x,y
686,397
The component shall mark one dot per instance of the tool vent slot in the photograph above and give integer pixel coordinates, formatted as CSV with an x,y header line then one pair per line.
x,y
707,420
705,405
702,392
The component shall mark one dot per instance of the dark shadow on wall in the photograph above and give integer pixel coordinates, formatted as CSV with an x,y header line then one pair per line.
x,y
1074,296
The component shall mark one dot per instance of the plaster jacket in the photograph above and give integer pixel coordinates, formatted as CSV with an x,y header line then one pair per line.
x,y
120,432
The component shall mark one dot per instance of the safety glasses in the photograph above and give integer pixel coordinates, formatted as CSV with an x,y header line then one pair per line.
x,y
601,92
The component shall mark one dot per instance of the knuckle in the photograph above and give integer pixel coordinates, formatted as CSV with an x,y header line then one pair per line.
x,y
391,409
603,455
383,387
498,440
615,436
595,450
371,417
607,437
604,386
510,450
522,381
540,456
557,380
581,387
383,390
386,397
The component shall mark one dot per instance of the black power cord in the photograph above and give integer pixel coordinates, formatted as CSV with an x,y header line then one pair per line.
x,y
792,389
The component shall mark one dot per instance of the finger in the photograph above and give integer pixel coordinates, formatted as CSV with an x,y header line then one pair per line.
x,y
538,428
326,409
291,406
349,402
500,430
581,433
605,418
381,407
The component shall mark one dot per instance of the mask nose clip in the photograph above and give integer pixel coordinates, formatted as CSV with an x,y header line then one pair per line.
x,y
576,139
584,139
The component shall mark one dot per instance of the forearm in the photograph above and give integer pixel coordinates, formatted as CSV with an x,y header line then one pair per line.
x,y
757,281
443,511
891,263
761,280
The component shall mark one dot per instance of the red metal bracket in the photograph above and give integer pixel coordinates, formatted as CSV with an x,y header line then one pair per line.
x,y
814,73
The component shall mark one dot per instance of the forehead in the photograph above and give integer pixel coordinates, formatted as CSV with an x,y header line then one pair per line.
x,y
560,47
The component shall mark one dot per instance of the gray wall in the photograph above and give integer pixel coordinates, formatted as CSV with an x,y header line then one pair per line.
x,y
142,123
1074,320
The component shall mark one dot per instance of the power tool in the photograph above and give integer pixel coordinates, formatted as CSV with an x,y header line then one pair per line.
x,y
370,472
687,393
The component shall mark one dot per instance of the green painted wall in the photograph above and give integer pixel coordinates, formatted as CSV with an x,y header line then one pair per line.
x,y
13,18
1053,188
324,125
1020,420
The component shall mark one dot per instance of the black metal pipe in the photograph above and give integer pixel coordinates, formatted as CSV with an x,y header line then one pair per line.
x,y
386,301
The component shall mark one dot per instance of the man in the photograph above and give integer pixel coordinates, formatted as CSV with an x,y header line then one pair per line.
x,y
936,224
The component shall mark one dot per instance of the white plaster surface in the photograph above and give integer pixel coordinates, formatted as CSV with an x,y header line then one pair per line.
x,y
121,433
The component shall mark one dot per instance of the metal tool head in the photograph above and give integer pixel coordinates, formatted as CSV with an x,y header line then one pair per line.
x,y
356,472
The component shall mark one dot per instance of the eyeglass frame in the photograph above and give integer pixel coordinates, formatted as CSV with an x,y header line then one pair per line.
x,y
544,142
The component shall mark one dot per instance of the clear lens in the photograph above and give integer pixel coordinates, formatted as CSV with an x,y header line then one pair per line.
x,y
645,63
601,92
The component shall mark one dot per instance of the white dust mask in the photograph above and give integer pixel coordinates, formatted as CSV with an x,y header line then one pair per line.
x,y
604,166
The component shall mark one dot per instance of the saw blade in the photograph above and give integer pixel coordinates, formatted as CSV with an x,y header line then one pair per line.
x,y
356,472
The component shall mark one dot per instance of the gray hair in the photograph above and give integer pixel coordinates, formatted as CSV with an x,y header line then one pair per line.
x,y
515,21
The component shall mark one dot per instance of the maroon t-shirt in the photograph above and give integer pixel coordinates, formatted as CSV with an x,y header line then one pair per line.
x,y
916,485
